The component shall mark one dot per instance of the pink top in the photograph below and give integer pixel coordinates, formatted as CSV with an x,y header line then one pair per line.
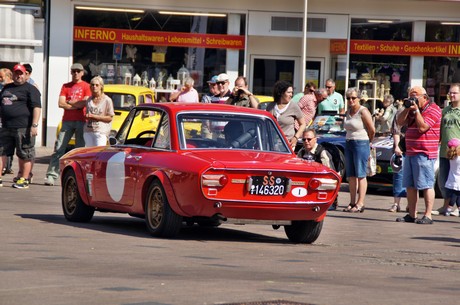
x,y
190,96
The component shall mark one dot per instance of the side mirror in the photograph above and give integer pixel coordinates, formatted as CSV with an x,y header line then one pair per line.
x,y
113,141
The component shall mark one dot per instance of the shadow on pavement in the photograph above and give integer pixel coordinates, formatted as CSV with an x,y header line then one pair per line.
x,y
130,226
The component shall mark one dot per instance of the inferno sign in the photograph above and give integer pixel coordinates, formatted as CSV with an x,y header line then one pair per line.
x,y
172,39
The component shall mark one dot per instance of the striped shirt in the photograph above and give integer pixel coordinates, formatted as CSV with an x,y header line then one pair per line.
x,y
425,143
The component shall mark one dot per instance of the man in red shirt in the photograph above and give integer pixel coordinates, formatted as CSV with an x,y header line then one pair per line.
x,y
423,120
70,99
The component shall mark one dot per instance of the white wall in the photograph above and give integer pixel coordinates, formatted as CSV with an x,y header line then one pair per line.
x,y
60,60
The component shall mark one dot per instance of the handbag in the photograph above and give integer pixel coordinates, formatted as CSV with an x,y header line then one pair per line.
x,y
371,169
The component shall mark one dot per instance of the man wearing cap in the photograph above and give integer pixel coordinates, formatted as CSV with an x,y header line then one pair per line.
x,y
20,110
72,99
423,120
223,92
212,90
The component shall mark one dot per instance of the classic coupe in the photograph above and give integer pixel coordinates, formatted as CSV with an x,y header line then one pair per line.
x,y
199,164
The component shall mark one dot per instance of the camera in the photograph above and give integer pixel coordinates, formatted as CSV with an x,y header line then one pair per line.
x,y
398,160
407,102
240,91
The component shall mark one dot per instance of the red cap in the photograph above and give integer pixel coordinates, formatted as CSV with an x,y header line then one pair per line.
x,y
20,68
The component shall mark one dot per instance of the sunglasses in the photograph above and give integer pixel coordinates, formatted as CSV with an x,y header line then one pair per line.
x,y
307,139
75,71
329,87
221,83
351,97
94,85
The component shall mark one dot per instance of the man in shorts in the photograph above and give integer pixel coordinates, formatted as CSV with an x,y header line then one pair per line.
x,y
20,110
423,120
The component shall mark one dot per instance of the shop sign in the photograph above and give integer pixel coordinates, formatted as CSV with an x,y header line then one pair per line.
x,y
117,51
171,39
403,48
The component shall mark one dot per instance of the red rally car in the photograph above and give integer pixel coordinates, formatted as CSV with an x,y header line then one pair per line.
x,y
205,164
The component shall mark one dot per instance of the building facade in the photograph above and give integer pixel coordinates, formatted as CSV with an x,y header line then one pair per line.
x,y
380,46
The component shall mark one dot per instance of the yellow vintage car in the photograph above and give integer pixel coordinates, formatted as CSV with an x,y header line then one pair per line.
x,y
124,98
263,101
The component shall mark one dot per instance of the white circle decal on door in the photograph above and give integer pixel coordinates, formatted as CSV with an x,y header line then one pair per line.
x,y
115,176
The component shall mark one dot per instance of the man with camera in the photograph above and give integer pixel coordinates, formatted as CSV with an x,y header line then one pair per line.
x,y
423,120
241,96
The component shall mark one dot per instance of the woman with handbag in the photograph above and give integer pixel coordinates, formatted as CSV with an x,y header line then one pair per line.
x,y
360,133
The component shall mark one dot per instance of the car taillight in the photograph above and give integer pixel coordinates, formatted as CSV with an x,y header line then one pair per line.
x,y
322,184
214,180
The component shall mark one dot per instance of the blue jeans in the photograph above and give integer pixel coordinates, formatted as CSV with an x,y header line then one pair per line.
x,y
68,129
398,189
356,154
418,172
444,167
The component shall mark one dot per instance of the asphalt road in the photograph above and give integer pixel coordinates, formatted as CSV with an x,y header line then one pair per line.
x,y
364,258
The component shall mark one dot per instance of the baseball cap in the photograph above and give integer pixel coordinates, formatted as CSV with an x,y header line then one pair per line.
x,y
77,66
19,67
222,77
28,67
213,80
453,142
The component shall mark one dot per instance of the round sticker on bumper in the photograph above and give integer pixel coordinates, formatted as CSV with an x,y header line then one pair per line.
x,y
299,192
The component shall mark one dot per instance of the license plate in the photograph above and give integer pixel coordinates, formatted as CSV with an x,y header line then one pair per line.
x,y
268,185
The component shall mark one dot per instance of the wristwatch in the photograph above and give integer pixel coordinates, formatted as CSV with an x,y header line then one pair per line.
x,y
35,125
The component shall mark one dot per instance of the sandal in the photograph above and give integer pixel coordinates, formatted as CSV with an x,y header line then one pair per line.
x,y
424,221
394,208
349,207
357,209
406,218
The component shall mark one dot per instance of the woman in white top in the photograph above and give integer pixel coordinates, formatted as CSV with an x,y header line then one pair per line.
x,y
99,114
360,133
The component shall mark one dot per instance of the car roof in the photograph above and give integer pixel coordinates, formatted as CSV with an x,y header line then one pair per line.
x,y
118,88
179,107
264,98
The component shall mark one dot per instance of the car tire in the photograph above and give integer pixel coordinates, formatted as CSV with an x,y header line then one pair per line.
x,y
72,205
160,219
303,232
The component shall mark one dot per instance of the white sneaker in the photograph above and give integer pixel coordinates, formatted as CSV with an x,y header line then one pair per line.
x,y
439,211
49,181
454,213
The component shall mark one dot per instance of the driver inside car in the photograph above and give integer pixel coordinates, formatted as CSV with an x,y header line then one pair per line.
x,y
232,131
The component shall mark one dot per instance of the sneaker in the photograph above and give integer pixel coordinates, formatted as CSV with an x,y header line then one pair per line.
x,y
455,213
49,181
448,211
439,211
424,221
31,178
22,183
1,183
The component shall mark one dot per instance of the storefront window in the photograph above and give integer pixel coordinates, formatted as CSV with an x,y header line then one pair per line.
x,y
441,71
372,56
154,45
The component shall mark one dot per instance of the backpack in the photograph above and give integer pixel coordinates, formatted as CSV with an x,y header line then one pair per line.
x,y
337,157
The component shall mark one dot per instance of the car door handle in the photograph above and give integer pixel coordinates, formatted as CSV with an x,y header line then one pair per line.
x,y
135,157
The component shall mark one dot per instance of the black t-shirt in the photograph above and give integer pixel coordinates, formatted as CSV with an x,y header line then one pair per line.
x,y
17,105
